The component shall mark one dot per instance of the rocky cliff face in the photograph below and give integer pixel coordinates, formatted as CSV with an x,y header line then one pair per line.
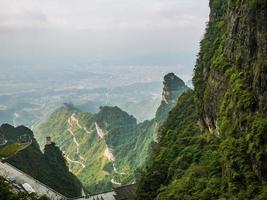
x,y
173,87
235,54
231,85
224,156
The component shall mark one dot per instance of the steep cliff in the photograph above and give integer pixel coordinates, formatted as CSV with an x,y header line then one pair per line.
x,y
173,87
213,144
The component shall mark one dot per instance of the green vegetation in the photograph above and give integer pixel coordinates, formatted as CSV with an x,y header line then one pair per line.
x,y
12,143
11,149
172,167
88,161
214,144
116,156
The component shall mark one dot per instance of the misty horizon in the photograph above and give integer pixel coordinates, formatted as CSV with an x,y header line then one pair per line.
x,y
54,34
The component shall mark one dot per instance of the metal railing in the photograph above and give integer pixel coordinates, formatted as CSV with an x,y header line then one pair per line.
x,y
42,184
52,190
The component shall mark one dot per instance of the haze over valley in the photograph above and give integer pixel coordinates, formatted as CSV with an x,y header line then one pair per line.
x,y
29,94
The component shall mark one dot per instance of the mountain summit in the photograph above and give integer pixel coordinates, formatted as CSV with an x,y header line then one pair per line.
x,y
173,86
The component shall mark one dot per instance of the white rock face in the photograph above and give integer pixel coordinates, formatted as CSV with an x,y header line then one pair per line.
x,y
109,155
99,131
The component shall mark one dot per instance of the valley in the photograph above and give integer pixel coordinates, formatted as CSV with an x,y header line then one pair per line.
x,y
101,130
104,149
27,104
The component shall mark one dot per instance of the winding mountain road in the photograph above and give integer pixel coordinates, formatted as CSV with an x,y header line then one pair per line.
x,y
73,122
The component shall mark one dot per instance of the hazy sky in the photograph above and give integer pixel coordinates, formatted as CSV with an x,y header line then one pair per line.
x,y
75,31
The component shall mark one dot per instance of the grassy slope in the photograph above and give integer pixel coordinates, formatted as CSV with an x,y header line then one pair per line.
x,y
57,126
11,149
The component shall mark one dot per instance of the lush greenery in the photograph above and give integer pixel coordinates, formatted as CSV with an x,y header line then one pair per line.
x,y
13,143
214,143
48,167
127,142
11,149
123,136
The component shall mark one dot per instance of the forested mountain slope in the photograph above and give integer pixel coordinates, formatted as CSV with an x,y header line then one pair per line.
x,y
214,143
105,149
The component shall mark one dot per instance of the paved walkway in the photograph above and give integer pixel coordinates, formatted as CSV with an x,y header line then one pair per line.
x,y
8,171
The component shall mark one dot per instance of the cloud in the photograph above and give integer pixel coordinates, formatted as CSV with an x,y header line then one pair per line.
x,y
101,14
84,29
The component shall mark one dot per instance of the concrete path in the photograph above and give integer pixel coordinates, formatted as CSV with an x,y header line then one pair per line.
x,y
8,171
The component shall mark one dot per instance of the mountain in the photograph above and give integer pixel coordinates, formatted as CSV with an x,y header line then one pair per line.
x,y
49,167
106,149
213,144
173,87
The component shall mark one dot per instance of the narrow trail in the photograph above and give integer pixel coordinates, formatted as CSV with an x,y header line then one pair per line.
x,y
75,161
75,141
73,122
115,182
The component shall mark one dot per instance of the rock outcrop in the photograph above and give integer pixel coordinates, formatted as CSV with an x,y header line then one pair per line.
x,y
173,87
